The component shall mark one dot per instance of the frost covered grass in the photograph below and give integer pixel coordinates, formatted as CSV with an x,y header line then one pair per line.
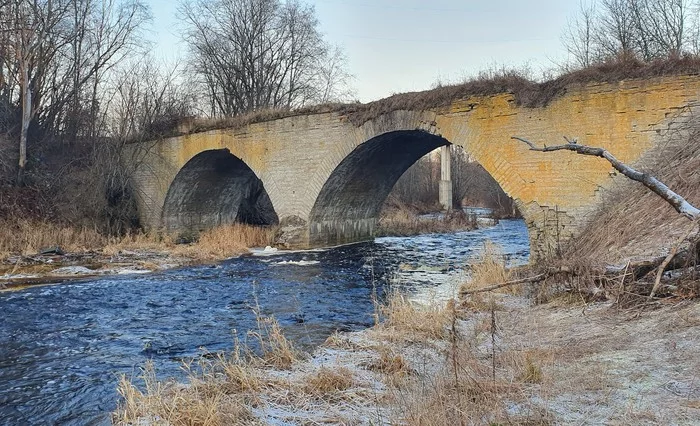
x,y
444,363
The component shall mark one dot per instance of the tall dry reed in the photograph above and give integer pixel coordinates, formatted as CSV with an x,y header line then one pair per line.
x,y
26,237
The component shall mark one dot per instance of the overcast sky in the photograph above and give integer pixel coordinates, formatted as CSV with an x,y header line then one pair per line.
x,y
406,45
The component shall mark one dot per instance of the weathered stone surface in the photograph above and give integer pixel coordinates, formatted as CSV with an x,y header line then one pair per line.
x,y
334,175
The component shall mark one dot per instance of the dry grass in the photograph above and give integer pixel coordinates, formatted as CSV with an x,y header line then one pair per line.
x,y
390,362
144,241
327,383
490,269
464,391
228,240
169,403
27,237
531,372
404,319
548,366
277,351
404,221
222,390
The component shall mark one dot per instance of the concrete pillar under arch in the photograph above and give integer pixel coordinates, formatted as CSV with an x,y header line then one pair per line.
x,y
445,189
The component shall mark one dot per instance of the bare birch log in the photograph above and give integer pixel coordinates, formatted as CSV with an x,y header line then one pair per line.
x,y
679,203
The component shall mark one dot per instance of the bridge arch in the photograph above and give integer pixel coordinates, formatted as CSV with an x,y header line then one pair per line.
x,y
215,188
295,156
348,204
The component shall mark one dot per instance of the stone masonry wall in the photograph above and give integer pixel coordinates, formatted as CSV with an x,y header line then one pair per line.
x,y
556,192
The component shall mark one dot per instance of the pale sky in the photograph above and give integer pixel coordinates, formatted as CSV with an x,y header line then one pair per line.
x,y
397,46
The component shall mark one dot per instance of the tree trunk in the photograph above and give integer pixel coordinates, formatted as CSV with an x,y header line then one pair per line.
x,y
26,117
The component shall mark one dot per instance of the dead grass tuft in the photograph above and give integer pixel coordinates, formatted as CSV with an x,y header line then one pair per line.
x,y
410,320
532,373
228,240
277,351
390,362
24,237
241,376
138,241
327,383
173,404
338,340
401,220
489,269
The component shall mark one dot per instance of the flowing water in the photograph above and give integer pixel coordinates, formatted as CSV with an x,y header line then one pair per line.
x,y
63,347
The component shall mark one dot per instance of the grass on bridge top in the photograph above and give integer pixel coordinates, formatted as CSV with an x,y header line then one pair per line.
x,y
527,92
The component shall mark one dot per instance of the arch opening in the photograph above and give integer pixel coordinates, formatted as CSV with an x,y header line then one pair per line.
x,y
215,188
473,187
348,205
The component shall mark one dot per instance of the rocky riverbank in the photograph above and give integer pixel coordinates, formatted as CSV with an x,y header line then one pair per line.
x,y
54,266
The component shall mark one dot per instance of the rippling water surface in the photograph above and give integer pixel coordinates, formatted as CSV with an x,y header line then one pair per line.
x,y
62,347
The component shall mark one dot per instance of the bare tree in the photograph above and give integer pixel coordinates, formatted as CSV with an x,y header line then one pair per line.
x,y
256,54
646,29
53,57
147,100
334,81
30,29
580,34
665,24
616,33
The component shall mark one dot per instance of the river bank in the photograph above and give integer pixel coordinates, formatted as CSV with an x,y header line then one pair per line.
x,y
444,364
63,347
73,256
44,254
437,359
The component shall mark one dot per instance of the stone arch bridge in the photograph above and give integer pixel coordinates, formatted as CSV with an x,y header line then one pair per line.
x,y
330,176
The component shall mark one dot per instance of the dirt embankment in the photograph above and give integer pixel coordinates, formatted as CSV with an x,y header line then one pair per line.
x,y
636,223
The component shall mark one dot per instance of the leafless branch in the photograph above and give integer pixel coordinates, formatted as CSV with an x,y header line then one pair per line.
x,y
680,204
530,280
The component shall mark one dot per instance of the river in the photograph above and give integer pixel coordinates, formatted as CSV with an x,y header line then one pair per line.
x,y
63,347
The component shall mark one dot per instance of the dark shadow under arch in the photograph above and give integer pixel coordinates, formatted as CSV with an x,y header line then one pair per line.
x,y
216,188
347,207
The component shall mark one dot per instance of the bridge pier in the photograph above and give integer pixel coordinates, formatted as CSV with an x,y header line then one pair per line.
x,y
445,189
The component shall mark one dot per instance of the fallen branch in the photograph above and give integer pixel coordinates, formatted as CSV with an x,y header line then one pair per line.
x,y
679,203
660,271
528,280
669,258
